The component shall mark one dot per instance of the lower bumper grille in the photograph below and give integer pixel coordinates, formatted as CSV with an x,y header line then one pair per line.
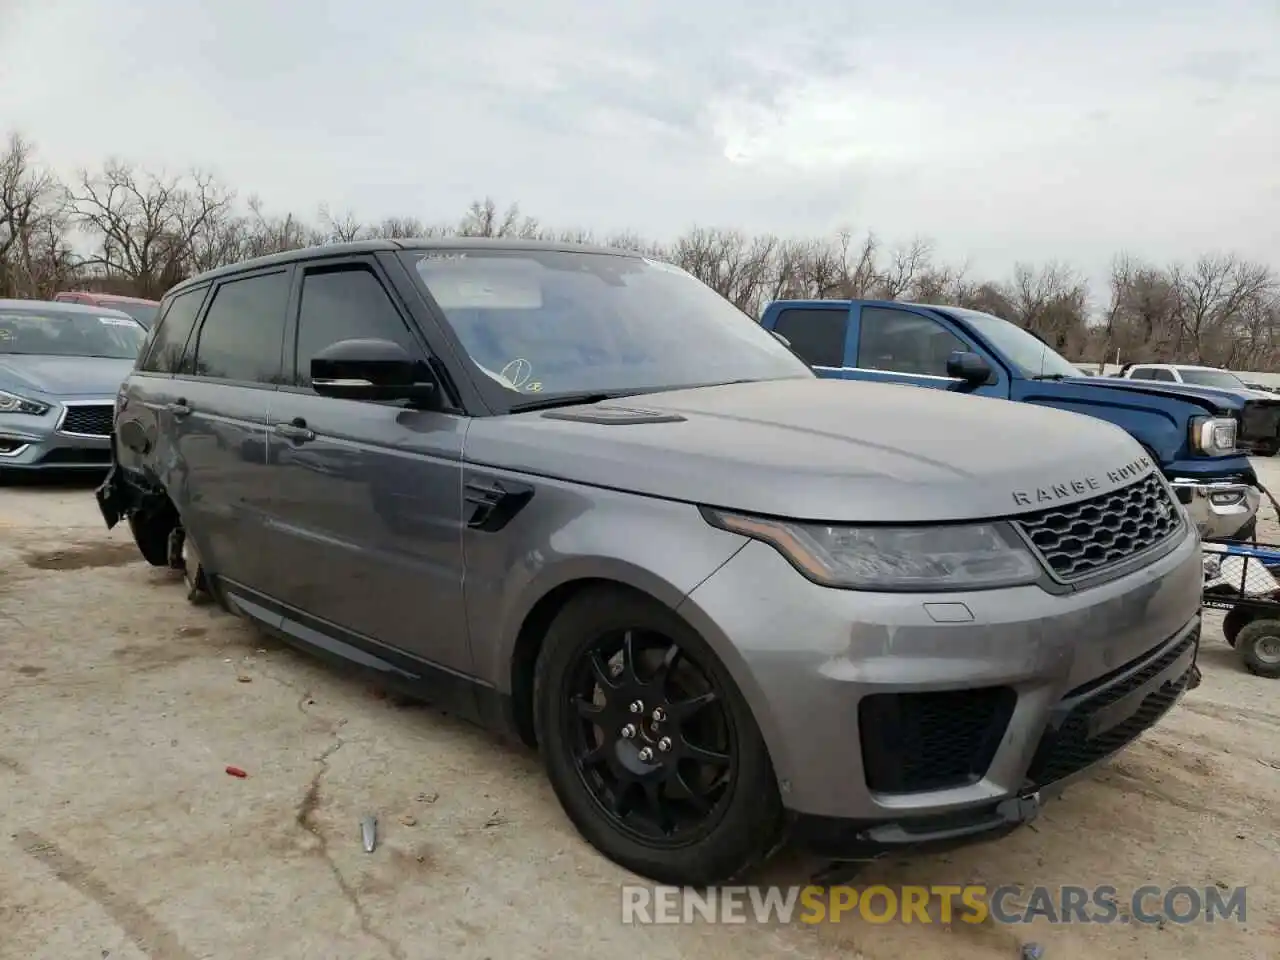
x,y
88,420
1080,733
912,742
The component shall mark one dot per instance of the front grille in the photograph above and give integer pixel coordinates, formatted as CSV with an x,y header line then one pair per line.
x,y
1260,421
1067,747
93,420
1081,539
931,741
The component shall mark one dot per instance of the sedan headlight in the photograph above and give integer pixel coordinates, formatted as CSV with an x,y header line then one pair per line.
x,y
973,556
12,403
1213,436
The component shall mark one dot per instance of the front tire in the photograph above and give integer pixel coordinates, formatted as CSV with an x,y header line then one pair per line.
x,y
649,745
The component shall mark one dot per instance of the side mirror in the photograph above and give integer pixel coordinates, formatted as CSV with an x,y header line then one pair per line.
x,y
370,370
969,367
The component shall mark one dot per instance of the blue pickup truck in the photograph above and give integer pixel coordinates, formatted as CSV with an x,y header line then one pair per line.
x,y
1193,433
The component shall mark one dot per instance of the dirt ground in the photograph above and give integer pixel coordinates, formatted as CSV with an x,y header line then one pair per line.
x,y
121,705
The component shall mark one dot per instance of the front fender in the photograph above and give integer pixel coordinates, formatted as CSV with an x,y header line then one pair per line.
x,y
570,533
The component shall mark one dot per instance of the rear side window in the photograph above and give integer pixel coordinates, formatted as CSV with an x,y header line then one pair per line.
x,y
347,303
170,337
818,336
243,330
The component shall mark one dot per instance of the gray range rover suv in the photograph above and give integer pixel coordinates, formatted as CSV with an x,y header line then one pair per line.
x,y
577,496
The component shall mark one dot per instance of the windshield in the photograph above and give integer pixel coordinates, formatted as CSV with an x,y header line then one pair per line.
x,y
1030,355
1211,378
542,323
144,313
57,334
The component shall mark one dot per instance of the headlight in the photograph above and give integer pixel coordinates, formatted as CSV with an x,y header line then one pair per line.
x,y
914,559
1213,436
12,403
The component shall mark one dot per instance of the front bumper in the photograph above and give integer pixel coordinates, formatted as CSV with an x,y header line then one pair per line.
x,y
915,719
57,440
1218,508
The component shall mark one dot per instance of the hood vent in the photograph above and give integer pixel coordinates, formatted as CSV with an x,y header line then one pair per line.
x,y
612,416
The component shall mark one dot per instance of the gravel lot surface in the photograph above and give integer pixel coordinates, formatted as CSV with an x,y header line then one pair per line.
x,y
121,705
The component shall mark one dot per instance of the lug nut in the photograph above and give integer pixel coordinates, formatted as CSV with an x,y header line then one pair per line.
x,y
646,754
628,732
664,744
659,714
637,706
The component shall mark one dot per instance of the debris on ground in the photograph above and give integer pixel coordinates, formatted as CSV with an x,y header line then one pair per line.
x,y
496,819
242,678
369,832
237,772
409,821
428,797
1032,951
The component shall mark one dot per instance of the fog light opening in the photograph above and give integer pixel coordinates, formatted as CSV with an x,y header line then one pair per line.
x,y
1225,499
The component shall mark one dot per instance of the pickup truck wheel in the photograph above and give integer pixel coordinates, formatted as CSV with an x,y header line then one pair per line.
x,y
1259,645
649,745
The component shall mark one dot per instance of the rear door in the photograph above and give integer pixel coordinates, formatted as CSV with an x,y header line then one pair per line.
x,y
366,499
221,398
901,344
819,335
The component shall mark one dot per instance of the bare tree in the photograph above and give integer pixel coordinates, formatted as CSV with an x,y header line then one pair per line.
x,y
145,225
34,260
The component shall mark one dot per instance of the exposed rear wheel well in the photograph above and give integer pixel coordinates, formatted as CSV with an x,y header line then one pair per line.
x,y
151,525
524,658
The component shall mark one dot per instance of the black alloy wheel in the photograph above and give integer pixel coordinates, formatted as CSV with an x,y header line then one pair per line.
x,y
649,744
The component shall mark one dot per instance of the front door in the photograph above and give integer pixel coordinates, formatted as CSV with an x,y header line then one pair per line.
x,y
905,345
366,501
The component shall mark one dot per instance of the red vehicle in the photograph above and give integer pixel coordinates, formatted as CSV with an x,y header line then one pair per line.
x,y
144,311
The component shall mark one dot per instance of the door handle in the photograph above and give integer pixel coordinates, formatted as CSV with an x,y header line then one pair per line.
x,y
180,408
296,430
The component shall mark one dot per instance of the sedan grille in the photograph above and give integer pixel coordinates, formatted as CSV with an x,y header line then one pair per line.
x,y
1082,539
90,420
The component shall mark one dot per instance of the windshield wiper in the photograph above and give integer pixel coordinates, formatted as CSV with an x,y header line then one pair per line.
x,y
1050,376
563,400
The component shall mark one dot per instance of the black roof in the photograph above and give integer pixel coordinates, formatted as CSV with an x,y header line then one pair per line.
x,y
383,245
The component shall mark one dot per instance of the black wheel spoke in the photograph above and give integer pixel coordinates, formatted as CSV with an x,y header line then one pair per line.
x,y
621,801
669,660
687,792
657,810
628,674
702,755
597,755
600,670
587,709
685,709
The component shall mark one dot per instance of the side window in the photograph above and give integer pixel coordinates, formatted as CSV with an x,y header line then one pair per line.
x,y
1158,373
903,342
818,336
171,332
347,303
243,331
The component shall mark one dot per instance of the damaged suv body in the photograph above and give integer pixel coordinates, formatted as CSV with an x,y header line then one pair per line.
x,y
576,496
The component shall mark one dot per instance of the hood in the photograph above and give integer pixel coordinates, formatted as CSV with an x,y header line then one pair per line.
x,y
64,376
1213,399
822,450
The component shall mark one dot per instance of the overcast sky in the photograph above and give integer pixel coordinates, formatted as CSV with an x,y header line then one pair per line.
x,y
1002,130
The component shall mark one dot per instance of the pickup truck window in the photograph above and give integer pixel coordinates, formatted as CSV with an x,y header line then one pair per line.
x,y
816,335
1029,354
1212,378
902,342
1152,373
